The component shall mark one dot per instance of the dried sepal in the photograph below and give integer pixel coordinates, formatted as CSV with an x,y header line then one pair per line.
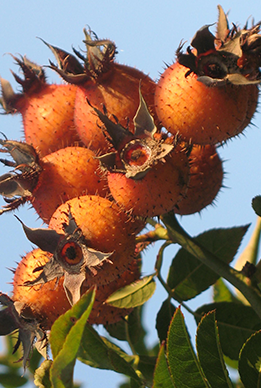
x,y
16,187
135,153
14,317
97,61
224,58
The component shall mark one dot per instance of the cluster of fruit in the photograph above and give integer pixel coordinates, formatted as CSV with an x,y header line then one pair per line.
x,y
105,150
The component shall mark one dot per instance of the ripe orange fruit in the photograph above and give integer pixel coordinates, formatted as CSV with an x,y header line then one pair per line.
x,y
147,174
206,177
49,181
92,243
45,302
206,96
47,109
101,81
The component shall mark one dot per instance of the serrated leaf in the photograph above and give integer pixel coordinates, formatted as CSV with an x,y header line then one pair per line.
x,y
42,375
249,365
99,352
164,318
236,323
133,295
256,204
162,377
69,327
222,293
183,363
210,353
188,277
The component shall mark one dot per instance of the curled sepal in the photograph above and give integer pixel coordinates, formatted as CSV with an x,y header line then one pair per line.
x,y
14,317
136,153
72,258
233,56
7,96
16,187
99,56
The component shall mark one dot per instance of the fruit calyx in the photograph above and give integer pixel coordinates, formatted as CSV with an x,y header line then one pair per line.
x,y
15,317
224,58
100,55
72,258
136,153
16,188
34,79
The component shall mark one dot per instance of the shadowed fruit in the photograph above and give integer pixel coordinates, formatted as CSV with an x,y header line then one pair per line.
x,y
206,177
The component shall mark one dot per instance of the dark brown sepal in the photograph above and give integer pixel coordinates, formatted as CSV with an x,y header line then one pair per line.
x,y
14,317
46,239
8,96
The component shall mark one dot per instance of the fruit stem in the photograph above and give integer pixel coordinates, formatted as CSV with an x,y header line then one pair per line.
x,y
178,235
159,233
163,283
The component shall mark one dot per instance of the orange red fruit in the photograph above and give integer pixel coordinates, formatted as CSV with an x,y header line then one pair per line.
x,y
206,177
101,81
209,95
47,109
49,181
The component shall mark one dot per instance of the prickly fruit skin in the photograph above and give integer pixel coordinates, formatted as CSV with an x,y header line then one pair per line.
x,y
44,302
118,91
206,177
103,313
48,117
105,228
67,173
202,114
158,191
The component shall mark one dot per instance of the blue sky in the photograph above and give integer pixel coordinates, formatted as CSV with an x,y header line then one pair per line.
x,y
147,34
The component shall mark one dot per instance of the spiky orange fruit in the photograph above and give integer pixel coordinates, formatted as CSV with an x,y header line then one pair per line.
x,y
148,173
47,109
208,96
45,302
206,177
101,81
158,192
92,242
50,181
105,227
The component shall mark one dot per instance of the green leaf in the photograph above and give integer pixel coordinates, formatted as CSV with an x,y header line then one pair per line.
x,y
162,377
188,277
236,323
210,353
99,352
65,339
164,318
250,362
184,366
256,204
42,375
222,293
12,380
134,294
